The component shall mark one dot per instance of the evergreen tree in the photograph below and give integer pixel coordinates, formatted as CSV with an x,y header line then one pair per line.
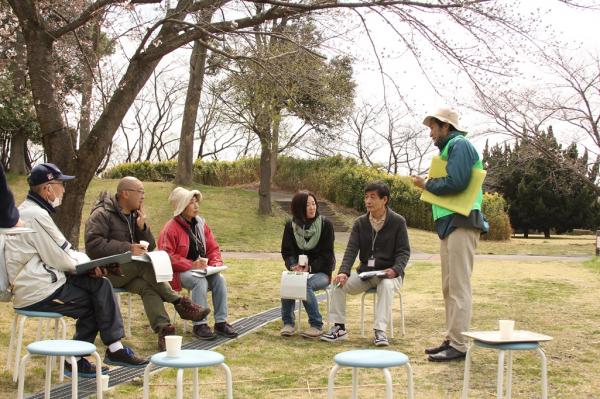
x,y
540,196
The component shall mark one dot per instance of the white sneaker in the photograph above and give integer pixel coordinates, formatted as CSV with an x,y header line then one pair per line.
x,y
288,330
335,334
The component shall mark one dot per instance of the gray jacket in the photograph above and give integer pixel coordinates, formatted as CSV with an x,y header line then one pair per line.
x,y
389,246
37,262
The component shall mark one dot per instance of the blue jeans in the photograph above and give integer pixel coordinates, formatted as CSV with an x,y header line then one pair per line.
x,y
199,286
317,281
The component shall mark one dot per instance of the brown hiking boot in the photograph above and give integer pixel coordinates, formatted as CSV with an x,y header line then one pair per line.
x,y
188,310
225,329
203,331
163,331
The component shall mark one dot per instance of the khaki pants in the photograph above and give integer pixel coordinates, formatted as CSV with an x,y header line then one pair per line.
x,y
139,278
457,252
386,288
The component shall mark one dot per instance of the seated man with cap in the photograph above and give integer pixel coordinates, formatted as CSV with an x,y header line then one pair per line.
x,y
191,246
41,269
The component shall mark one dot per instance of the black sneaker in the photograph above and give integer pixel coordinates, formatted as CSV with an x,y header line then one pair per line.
x,y
124,357
85,369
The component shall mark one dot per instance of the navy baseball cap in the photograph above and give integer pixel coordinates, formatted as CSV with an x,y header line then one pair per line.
x,y
44,173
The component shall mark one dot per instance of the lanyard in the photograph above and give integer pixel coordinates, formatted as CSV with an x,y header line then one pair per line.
x,y
373,238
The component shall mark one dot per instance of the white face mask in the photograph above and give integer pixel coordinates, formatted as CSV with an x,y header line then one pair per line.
x,y
57,200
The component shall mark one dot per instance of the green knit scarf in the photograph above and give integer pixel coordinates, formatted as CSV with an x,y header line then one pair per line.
x,y
312,234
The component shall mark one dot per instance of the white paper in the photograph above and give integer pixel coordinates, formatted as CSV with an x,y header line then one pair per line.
x,y
374,273
160,262
210,270
293,285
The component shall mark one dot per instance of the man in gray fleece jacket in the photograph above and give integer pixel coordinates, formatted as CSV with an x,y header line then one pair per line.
x,y
380,239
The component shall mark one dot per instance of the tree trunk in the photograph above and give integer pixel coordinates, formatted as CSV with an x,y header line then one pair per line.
x,y
17,152
546,233
264,188
87,86
185,161
18,142
275,145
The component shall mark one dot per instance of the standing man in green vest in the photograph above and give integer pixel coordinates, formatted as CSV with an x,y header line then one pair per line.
x,y
459,234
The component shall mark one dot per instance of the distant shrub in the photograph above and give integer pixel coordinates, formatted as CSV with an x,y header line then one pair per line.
x,y
145,171
338,179
494,208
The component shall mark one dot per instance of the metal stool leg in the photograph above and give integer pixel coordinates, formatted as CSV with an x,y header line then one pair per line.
x,y
299,318
129,314
98,360
402,311
228,380
500,379
74,377
18,348
22,366
48,379
409,377
362,314
147,381
388,383
331,381
509,376
179,384
195,393
465,392
354,383
61,359
544,373
11,344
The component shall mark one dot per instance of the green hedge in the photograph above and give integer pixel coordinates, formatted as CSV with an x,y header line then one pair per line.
x,y
340,180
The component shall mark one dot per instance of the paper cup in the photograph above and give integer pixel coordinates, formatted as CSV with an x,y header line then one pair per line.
x,y
105,379
507,328
145,244
302,260
173,343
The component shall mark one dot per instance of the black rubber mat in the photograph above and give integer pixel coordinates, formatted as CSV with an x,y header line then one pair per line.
x,y
121,375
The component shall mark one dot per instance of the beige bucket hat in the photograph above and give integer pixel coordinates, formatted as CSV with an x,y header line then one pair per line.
x,y
444,114
180,198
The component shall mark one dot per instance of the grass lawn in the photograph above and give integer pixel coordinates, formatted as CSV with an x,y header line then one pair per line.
x,y
556,298
552,297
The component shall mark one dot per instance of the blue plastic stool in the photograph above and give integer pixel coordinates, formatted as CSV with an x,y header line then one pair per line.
x,y
370,359
188,359
502,348
117,294
20,318
52,348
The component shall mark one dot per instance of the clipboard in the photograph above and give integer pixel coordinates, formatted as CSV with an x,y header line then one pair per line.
x,y
460,203
83,268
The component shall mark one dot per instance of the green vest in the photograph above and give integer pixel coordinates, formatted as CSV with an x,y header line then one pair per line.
x,y
438,211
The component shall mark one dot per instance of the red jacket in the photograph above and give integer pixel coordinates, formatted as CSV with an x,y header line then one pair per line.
x,y
175,241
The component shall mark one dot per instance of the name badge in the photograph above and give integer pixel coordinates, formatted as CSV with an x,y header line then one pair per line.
x,y
371,262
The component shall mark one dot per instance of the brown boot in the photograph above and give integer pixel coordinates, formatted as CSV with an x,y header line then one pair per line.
x,y
163,331
188,310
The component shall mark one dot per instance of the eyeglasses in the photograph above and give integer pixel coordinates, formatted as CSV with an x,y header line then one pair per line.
x,y
137,191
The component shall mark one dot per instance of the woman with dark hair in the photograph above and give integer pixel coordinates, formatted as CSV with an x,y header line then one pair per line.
x,y
311,235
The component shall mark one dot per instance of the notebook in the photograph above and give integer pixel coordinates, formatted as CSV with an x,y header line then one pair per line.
x,y
460,203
